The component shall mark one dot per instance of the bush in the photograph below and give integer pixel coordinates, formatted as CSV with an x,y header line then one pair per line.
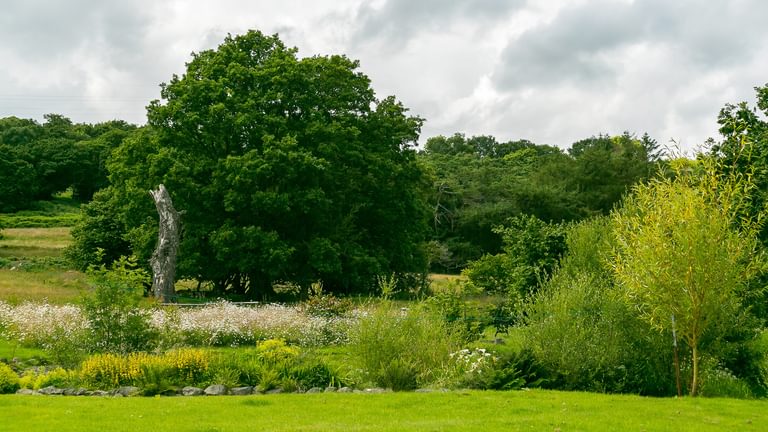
x,y
487,370
717,381
403,350
9,381
312,372
57,377
584,336
466,320
182,367
320,304
532,249
117,322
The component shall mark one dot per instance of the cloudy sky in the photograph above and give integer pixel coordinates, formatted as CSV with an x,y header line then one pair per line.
x,y
551,71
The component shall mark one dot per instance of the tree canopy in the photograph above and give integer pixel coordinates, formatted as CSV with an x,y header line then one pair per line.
x,y
287,169
39,160
680,257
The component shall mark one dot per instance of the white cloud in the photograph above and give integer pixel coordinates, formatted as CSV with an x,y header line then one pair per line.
x,y
552,71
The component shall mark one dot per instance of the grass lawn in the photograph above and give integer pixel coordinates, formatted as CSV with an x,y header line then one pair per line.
x,y
536,410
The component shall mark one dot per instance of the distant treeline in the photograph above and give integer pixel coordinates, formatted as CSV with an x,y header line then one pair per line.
x,y
39,160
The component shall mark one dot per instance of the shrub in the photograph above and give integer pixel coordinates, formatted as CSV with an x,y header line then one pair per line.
x,y
182,367
403,349
466,320
320,304
584,336
276,352
532,249
154,380
117,323
187,366
717,381
9,380
57,377
312,372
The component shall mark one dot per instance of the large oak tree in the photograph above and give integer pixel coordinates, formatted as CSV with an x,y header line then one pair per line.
x,y
287,169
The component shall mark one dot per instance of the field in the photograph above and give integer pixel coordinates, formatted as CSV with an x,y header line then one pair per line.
x,y
460,411
31,270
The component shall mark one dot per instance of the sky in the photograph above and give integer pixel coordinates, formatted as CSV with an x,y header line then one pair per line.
x,y
550,71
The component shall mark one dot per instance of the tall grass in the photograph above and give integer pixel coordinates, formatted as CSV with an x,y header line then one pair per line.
x,y
403,349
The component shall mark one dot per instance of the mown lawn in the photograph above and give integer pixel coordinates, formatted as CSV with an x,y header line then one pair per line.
x,y
536,410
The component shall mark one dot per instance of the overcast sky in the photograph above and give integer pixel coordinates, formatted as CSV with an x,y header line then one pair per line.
x,y
551,71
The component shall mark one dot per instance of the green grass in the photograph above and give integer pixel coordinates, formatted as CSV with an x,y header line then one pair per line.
x,y
29,274
60,211
34,242
456,411
54,286
10,350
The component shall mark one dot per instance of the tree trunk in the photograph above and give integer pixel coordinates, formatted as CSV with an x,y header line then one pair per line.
x,y
163,260
695,380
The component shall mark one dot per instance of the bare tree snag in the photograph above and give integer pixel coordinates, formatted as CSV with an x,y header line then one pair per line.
x,y
163,260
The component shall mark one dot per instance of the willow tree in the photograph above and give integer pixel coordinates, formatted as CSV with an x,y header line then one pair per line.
x,y
683,254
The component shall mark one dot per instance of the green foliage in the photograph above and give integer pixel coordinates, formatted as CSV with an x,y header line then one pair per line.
x,y
58,377
532,249
116,322
488,370
98,237
154,380
9,380
684,252
581,332
288,169
586,338
605,168
478,184
325,305
720,382
402,350
37,161
466,320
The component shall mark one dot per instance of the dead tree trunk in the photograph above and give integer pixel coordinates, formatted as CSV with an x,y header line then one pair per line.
x,y
163,260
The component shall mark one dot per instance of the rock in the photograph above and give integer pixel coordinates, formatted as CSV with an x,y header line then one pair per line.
x,y
81,392
331,390
69,391
344,390
25,392
275,391
375,390
241,391
99,393
424,390
192,391
315,390
51,391
216,390
127,391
